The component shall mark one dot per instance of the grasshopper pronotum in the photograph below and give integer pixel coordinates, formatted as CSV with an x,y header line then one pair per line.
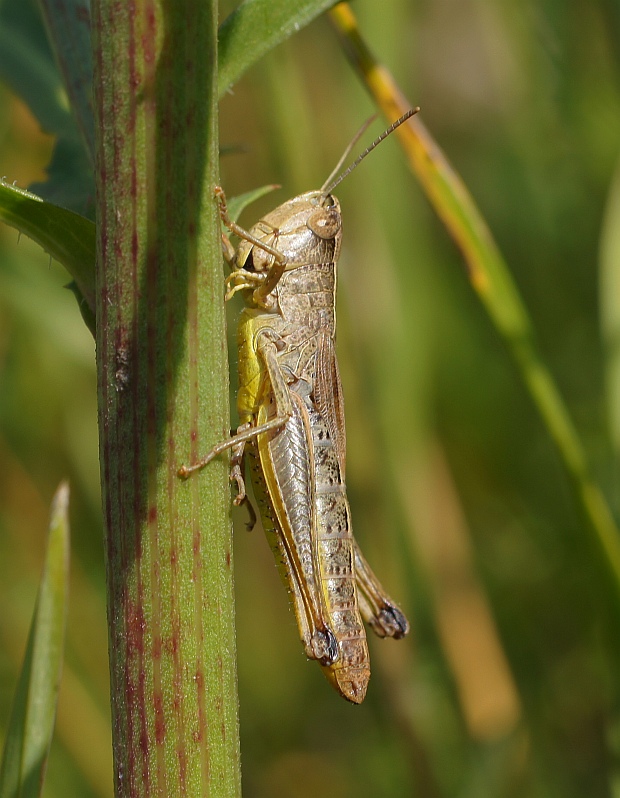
x,y
292,416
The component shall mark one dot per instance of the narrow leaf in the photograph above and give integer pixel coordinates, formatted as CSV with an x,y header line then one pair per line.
x,y
68,28
237,205
34,706
610,314
67,236
255,28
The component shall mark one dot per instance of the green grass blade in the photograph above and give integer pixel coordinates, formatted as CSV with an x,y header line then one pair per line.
x,y
34,708
68,237
255,28
610,318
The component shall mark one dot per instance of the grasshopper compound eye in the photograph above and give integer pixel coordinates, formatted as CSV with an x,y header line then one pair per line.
x,y
325,223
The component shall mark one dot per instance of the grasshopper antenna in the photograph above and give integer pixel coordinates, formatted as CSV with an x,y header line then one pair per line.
x,y
348,149
328,186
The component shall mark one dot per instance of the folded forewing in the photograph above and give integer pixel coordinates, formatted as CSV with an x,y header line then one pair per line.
x,y
285,457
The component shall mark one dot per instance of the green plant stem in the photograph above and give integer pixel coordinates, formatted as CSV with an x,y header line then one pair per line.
x,y
163,399
489,276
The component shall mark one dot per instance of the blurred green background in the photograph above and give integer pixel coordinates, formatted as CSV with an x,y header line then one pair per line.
x,y
508,684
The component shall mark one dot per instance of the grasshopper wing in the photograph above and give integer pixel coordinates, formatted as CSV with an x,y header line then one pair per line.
x,y
285,458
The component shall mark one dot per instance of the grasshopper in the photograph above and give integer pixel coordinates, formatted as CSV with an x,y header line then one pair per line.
x,y
291,411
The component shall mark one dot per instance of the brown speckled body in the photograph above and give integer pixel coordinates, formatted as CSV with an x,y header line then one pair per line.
x,y
300,480
292,416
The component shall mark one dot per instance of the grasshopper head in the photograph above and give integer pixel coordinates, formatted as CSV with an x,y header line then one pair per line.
x,y
305,229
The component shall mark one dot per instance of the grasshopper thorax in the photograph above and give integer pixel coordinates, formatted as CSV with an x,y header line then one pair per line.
x,y
306,230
